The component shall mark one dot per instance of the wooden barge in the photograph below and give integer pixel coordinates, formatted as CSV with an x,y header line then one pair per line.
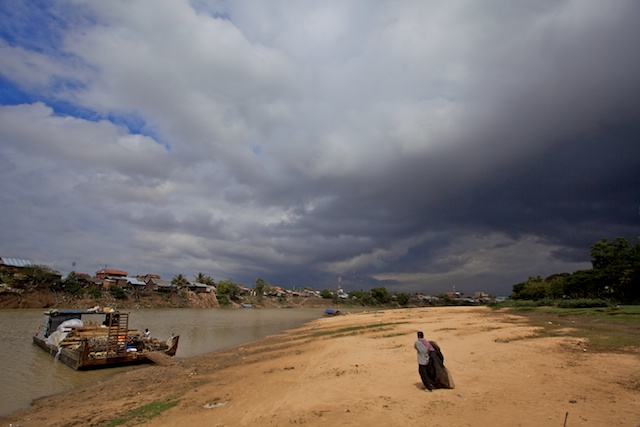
x,y
92,339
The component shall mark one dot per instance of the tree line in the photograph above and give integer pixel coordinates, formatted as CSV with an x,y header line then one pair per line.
x,y
615,276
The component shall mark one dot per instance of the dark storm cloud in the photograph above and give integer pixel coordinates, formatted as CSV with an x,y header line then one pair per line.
x,y
418,146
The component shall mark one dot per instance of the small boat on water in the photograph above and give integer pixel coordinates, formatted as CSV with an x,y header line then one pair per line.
x,y
99,338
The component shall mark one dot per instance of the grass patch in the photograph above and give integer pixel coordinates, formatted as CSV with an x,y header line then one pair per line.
x,y
142,414
547,302
397,334
604,328
352,329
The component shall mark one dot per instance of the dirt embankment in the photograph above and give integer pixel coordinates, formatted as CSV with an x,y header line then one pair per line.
x,y
35,299
42,298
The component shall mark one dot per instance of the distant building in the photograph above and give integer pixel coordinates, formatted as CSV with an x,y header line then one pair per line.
x,y
134,283
243,290
13,263
423,298
160,285
149,276
83,278
105,273
16,265
111,282
482,296
199,288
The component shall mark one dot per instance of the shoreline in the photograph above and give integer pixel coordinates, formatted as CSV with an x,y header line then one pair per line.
x,y
360,369
46,299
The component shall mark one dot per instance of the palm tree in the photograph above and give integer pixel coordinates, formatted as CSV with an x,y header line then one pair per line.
x,y
204,279
179,280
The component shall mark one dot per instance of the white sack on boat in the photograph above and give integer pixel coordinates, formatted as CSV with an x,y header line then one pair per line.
x,y
56,337
71,323
62,331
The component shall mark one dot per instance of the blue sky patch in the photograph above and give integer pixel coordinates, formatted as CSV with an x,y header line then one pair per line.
x,y
11,94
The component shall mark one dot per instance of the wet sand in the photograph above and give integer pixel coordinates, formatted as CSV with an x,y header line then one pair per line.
x,y
361,369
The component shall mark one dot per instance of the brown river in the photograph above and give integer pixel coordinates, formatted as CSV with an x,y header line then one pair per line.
x,y
27,372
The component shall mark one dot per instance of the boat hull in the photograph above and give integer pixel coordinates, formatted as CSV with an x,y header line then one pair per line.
x,y
79,359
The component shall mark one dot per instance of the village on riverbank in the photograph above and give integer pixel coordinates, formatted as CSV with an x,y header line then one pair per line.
x,y
26,285
613,280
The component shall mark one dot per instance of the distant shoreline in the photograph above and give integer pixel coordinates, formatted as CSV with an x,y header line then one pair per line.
x,y
48,299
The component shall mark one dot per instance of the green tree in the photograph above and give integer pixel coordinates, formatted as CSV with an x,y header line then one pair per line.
x,y
228,288
381,295
259,287
326,294
534,288
204,279
556,285
95,292
402,298
615,275
117,292
584,284
618,263
363,297
74,288
611,256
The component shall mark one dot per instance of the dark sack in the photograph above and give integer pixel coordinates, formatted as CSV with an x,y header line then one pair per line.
x,y
442,378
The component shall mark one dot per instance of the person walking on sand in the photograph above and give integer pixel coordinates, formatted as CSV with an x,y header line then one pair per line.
x,y
425,364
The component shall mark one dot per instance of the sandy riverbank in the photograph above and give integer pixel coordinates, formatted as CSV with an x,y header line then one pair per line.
x,y
361,369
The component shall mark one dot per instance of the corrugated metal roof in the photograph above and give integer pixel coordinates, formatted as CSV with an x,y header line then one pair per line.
x,y
15,262
134,281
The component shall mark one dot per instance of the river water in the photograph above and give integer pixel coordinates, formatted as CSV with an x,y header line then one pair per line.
x,y
27,372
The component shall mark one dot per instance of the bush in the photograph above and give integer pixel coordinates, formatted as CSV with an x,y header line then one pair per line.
x,y
527,303
545,302
74,288
223,299
33,277
364,298
117,292
522,303
95,292
583,303
326,294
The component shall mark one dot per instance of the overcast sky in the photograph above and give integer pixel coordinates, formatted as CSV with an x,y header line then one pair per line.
x,y
416,145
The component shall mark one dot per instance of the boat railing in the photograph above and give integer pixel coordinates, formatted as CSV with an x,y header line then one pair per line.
x,y
118,327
